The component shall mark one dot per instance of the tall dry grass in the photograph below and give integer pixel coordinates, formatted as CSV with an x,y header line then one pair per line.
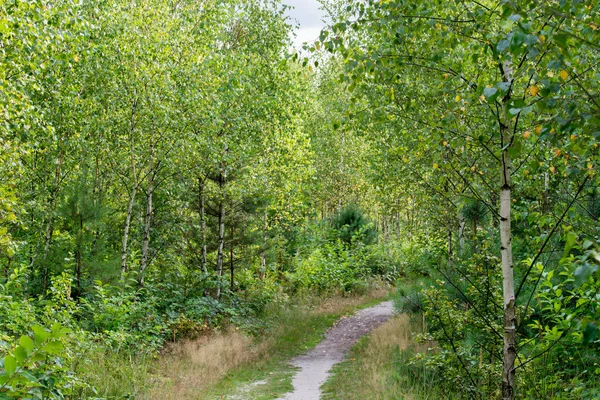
x,y
188,368
371,371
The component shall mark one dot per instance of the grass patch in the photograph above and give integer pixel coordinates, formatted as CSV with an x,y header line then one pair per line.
x,y
377,367
232,365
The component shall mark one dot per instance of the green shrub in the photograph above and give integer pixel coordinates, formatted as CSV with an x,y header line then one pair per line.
x,y
352,226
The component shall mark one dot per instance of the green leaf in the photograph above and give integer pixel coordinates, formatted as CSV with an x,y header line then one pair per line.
x,y
570,242
502,45
590,333
53,347
20,354
27,343
504,86
490,93
10,364
40,334
583,273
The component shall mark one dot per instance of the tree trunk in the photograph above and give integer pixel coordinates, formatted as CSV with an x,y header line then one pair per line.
x,y
450,247
263,253
79,257
461,232
221,235
147,220
474,235
231,261
510,334
201,207
126,232
50,221
133,191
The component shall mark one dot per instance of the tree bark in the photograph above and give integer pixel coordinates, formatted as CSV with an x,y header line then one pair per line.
x,y
50,221
79,257
474,235
221,235
510,334
231,261
126,231
133,191
263,253
201,207
461,232
147,220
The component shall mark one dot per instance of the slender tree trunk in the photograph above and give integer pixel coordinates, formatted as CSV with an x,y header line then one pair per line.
x,y
231,261
98,193
202,224
147,220
221,234
461,232
133,191
450,247
474,235
126,231
50,220
510,334
263,253
79,258
546,193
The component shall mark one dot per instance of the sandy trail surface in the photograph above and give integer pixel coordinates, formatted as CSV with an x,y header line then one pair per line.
x,y
314,366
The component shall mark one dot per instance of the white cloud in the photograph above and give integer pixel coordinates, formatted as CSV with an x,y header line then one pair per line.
x,y
306,35
308,16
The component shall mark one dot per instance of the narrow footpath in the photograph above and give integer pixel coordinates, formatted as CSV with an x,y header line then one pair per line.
x,y
316,364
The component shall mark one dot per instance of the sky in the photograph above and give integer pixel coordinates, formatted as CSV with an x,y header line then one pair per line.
x,y
308,16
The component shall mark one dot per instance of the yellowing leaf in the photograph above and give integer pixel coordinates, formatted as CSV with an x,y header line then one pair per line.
x,y
563,74
550,74
538,129
457,98
435,166
534,90
526,135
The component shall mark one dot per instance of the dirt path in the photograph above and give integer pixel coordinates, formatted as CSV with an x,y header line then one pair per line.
x,y
315,365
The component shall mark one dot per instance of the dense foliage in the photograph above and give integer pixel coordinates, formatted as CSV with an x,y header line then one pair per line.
x,y
168,169
484,120
157,165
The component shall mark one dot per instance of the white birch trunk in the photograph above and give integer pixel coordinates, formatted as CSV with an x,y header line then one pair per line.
x,y
133,191
510,333
147,221
221,236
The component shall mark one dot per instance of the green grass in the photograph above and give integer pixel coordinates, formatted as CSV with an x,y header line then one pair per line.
x,y
293,328
377,367
294,332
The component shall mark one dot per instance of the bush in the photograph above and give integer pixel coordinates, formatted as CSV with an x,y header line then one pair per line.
x,y
352,226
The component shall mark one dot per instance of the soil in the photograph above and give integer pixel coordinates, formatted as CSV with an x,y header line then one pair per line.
x,y
314,366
